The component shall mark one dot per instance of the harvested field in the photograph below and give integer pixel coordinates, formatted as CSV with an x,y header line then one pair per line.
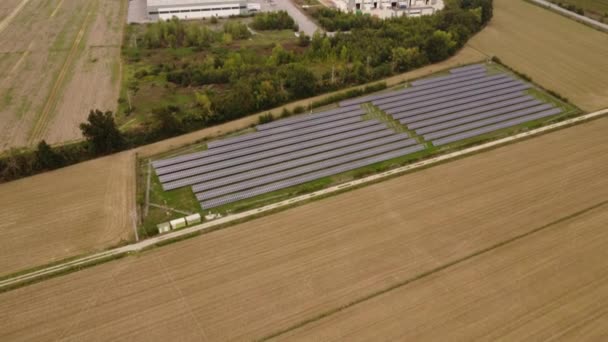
x,y
558,53
67,212
59,60
551,285
273,273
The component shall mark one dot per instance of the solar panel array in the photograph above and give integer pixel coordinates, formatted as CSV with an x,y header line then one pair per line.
x,y
282,154
465,103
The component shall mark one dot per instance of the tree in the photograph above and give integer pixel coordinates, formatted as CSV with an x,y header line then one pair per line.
x,y
440,46
168,124
203,102
101,132
46,158
303,40
406,59
301,81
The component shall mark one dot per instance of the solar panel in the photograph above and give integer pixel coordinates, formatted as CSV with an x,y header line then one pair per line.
x,y
281,153
267,136
441,79
307,178
481,116
444,90
451,101
306,117
316,122
345,123
415,89
467,68
454,93
283,146
290,173
230,176
485,122
282,162
447,114
495,127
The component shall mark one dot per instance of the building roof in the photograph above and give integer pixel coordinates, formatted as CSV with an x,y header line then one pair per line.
x,y
187,2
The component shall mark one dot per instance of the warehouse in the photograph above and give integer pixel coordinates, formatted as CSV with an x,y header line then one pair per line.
x,y
194,9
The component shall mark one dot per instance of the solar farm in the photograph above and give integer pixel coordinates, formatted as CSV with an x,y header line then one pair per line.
x,y
465,103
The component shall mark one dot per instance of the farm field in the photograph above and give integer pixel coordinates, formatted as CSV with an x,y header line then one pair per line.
x,y
550,285
561,55
59,59
268,275
90,219
596,9
67,212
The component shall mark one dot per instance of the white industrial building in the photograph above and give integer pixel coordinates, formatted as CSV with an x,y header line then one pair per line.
x,y
391,8
194,9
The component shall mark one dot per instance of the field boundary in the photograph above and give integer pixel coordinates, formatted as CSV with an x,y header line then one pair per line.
x,y
48,272
433,271
574,16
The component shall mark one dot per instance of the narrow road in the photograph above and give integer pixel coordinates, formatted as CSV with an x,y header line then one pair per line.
x,y
136,247
571,14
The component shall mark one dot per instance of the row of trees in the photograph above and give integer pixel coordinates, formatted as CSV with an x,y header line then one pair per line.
x,y
102,137
273,21
175,33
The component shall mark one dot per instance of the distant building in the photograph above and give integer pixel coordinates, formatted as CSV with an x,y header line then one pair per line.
x,y
194,9
391,8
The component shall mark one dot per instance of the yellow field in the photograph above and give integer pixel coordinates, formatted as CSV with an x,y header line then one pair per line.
x,y
550,286
558,53
264,276
67,212
58,60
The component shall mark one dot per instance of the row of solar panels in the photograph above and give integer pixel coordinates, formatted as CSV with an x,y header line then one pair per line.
x,y
267,188
285,151
426,84
466,103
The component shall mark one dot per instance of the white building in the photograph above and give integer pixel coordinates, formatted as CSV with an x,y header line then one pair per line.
x,y
194,9
391,8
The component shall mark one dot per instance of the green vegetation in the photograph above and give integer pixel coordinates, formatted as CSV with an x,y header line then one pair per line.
x,y
172,65
273,21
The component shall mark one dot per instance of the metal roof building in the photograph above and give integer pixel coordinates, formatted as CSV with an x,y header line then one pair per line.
x,y
194,9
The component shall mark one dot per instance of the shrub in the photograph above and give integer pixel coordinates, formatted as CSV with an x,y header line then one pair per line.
x,y
265,118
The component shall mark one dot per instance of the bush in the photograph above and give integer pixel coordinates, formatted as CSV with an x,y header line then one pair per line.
x,y
265,118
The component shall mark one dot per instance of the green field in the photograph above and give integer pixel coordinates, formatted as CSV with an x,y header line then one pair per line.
x,y
176,203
